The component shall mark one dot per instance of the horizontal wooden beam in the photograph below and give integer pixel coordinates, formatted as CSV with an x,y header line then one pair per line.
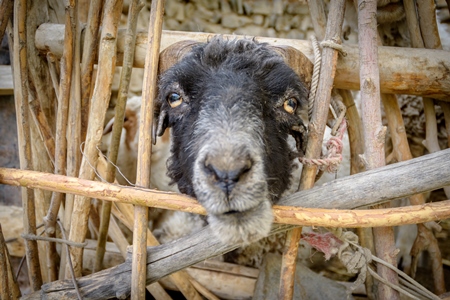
x,y
422,72
393,181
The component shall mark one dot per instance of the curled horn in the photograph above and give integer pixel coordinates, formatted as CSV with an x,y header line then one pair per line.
x,y
304,69
167,58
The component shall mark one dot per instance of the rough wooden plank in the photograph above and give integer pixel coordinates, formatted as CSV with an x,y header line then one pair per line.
x,y
422,72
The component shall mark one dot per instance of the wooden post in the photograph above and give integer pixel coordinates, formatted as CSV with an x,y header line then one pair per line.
x,y
424,33
100,100
138,275
113,151
374,133
315,137
21,90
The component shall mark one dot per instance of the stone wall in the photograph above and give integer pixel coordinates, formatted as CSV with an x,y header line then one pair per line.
x,y
271,18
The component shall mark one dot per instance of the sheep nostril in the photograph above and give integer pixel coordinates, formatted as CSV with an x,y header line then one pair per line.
x,y
227,177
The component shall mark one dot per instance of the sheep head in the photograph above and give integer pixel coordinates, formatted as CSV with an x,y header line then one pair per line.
x,y
231,105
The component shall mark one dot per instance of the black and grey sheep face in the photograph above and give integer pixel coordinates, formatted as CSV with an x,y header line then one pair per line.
x,y
231,105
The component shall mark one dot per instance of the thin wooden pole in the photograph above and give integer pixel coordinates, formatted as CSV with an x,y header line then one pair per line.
x,y
113,151
374,132
6,9
424,33
138,274
21,89
87,62
316,131
100,100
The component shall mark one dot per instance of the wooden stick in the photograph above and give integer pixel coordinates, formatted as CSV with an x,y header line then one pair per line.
x,y
87,63
14,289
400,77
6,9
113,151
374,133
61,129
424,33
315,137
288,211
74,128
138,275
44,128
21,89
4,283
101,95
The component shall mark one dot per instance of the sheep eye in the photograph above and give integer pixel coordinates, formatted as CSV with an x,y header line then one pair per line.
x,y
290,105
174,100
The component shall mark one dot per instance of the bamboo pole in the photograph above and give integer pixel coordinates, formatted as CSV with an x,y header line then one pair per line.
x,y
133,13
25,156
315,137
374,133
138,274
398,66
100,100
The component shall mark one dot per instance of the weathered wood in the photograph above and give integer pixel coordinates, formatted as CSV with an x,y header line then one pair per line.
x,y
100,100
420,72
374,133
398,180
316,130
119,113
21,88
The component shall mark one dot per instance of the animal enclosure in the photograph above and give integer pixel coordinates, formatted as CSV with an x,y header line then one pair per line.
x,y
86,236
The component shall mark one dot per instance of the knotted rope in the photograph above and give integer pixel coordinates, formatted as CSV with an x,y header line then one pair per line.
x,y
357,259
331,161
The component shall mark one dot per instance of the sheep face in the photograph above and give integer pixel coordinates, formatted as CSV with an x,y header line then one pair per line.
x,y
231,105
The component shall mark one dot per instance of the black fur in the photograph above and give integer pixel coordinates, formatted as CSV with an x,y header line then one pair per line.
x,y
245,78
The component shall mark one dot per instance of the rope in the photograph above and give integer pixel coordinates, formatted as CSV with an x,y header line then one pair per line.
x,y
332,44
315,76
357,259
331,161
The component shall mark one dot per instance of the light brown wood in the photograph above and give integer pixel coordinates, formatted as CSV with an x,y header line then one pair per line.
x,y
336,194
316,130
138,276
374,133
100,100
113,150
398,66
21,88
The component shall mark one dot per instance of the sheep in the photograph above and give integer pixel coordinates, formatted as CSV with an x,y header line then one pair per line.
x,y
231,105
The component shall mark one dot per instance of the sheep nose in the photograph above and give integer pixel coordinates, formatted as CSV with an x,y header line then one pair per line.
x,y
226,177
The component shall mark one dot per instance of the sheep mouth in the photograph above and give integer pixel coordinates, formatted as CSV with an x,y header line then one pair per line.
x,y
231,212
242,227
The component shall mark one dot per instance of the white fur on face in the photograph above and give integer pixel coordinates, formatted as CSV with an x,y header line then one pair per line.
x,y
245,214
